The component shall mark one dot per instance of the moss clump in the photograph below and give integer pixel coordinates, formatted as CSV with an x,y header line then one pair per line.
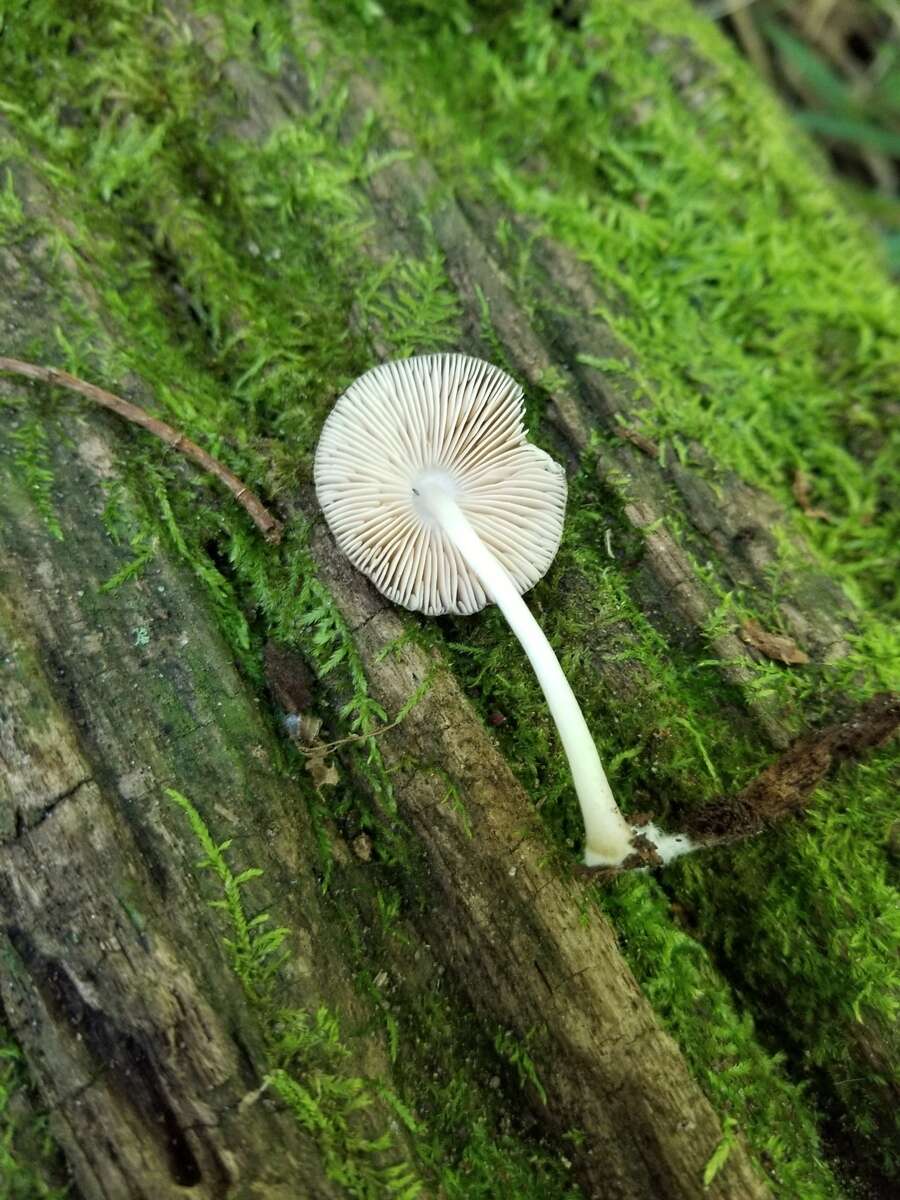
x,y
743,1078
463,1146
831,1001
305,1049
223,246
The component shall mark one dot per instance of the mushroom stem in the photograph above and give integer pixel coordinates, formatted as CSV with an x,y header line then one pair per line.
x,y
607,834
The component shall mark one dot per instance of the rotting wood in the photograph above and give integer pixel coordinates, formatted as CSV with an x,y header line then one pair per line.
x,y
509,929
665,570
167,1031
116,982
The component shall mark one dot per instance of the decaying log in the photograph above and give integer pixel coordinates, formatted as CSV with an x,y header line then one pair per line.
x,y
120,994
115,980
141,1041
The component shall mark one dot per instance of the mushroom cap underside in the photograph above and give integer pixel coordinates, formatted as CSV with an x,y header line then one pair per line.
x,y
457,421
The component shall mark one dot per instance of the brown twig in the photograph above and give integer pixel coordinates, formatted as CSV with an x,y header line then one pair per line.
x,y
270,528
786,786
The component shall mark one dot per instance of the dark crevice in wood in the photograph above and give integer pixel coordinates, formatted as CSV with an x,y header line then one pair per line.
x,y
25,824
122,1061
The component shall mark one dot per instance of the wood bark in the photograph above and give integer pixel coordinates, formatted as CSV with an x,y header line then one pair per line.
x,y
115,980
126,1010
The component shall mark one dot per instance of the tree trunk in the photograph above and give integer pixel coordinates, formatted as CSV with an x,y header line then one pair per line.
x,y
432,911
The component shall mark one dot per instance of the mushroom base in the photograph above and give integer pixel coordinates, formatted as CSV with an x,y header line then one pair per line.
x,y
648,844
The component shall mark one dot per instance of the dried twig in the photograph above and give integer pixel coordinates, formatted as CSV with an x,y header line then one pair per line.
x,y
784,788
773,645
351,739
270,528
787,785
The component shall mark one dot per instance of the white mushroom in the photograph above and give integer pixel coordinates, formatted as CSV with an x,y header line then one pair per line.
x,y
432,490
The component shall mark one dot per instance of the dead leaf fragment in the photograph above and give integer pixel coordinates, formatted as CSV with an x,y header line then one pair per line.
x,y
774,645
323,772
362,847
637,439
803,495
308,728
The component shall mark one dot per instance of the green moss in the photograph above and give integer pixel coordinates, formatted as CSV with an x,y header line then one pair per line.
x,y
304,1049
30,441
411,306
462,1145
453,1085
744,1079
222,250
655,707
462,1081
828,998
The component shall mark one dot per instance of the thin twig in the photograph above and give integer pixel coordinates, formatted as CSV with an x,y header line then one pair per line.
x,y
328,747
270,528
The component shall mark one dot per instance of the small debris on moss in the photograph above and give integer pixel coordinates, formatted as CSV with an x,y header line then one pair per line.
x,y
773,645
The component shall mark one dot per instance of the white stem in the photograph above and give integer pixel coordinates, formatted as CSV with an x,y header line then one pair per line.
x,y
607,834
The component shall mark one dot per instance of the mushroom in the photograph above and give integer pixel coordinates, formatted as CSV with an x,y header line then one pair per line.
x,y
431,488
